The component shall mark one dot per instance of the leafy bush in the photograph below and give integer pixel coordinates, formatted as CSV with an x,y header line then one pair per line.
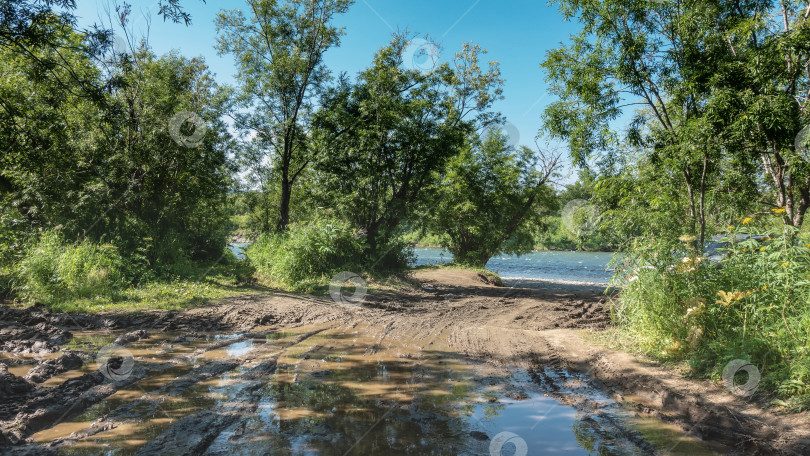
x,y
6,280
157,199
753,304
53,269
397,255
239,270
307,253
491,199
424,238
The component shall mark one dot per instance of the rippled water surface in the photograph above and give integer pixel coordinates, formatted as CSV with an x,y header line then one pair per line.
x,y
549,265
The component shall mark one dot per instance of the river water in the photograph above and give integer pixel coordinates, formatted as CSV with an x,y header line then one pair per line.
x,y
559,266
590,267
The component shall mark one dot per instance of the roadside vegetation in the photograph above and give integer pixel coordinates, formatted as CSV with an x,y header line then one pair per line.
x,y
708,185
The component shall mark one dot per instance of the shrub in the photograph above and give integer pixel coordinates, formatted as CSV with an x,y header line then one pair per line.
x,y
557,237
241,271
53,269
397,256
307,253
753,304
6,281
490,200
11,243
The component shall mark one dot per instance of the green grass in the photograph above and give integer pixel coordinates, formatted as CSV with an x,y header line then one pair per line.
x,y
6,280
177,294
306,256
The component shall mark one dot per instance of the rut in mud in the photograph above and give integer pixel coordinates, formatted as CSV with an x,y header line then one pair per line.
x,y
456,366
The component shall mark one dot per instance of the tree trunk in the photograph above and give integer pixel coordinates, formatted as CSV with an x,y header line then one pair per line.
x,y
284,204
702,214
485,256
692,209
793,196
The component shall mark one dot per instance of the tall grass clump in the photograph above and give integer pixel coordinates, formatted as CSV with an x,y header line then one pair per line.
x,y
307,254
53,269
752,304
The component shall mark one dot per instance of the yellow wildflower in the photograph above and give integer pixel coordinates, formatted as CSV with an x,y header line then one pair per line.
x,y
764,287
761,249
727,298
784,265
746,220
781,210
729,228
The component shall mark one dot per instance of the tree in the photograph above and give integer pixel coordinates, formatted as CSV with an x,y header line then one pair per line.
x,y
709,106
166,159
89,152
763,95
43,124
388,133
582,189
279,52
114,171
32,29
491,199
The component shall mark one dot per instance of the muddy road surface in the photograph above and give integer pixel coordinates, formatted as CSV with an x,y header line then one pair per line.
x,y
453,366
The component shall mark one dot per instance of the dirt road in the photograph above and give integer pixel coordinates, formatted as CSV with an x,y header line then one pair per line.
x,y
397,373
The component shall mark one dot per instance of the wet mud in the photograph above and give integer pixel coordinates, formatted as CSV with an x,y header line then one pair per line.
x,y
455,366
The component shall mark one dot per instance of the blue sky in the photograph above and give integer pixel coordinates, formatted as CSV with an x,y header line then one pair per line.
x,y
516,33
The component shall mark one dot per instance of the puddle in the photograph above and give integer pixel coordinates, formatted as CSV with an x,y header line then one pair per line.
x,y
240,348
542,423
342,393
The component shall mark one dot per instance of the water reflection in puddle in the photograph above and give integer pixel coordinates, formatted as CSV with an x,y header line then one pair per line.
x,y
340,393
240,348
545,426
